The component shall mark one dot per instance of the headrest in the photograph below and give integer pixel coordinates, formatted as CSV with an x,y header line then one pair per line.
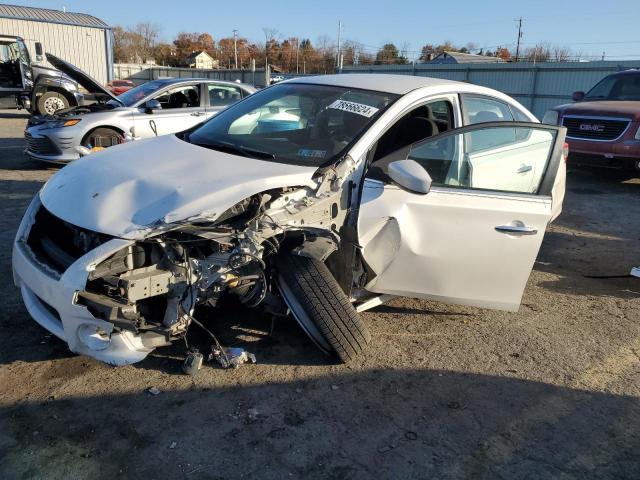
x,y
416,128
485,116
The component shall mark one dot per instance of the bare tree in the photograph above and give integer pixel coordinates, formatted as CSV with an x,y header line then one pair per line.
x,y
137,43
404,51
143,37
538,53
270,38
560,54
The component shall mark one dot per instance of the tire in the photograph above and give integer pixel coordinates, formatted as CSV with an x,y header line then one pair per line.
x,y
51,102
107,138
321,308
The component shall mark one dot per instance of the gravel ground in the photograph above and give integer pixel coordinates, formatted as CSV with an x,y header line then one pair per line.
x,y
552,391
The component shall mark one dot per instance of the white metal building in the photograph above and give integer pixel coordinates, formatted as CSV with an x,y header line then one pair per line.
x,y
81,39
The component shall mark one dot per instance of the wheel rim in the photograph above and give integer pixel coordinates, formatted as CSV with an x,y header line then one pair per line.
x,y
52,104
303,318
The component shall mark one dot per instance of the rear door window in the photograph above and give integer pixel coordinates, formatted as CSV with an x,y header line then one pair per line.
x,y
222,95
479,109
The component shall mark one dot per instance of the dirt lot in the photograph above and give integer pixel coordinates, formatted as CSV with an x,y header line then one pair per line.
x,y
552,391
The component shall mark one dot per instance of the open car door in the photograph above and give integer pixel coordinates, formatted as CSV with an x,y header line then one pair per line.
x,y
473,238
15,66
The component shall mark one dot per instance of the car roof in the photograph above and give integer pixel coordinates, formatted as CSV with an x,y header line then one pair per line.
x,y
631,71
171,81
388,83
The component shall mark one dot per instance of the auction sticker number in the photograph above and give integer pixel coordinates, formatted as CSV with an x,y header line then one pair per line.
x,y
353,107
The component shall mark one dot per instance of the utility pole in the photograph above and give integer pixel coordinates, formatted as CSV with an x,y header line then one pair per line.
x,y
297,55
519,37
339,39
235,47
266,56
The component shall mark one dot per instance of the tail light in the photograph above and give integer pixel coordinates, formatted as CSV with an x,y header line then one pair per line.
x,y
565,152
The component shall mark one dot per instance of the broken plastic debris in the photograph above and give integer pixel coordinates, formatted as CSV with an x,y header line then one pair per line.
x,y
173,445
233,357
192,363
153,391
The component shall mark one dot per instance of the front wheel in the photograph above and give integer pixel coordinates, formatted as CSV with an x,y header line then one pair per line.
x,y
102,138
321,308
51,102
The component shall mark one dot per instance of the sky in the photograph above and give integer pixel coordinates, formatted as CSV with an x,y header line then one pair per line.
x,y
586,27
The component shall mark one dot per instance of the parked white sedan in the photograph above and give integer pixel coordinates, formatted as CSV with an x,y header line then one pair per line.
x,y
157,107
324,196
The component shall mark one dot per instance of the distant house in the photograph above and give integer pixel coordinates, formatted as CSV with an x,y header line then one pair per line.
x,y
458,58
201,59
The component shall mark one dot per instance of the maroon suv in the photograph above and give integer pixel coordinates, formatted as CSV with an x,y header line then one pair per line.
x,y
603,125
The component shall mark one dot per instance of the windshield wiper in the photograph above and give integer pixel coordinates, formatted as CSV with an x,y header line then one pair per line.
x,y
237,149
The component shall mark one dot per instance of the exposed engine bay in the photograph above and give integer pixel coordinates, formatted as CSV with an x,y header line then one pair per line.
x,y
153,286
70,112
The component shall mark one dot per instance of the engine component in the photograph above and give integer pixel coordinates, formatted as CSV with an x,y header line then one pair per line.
x,y
144,283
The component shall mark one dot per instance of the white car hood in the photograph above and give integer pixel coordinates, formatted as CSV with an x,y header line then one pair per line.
x,y
132,190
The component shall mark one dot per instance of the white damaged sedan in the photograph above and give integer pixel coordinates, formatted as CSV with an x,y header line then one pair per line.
x,y
322,196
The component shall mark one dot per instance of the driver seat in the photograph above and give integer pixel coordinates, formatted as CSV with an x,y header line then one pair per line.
x,y
178,100
194,100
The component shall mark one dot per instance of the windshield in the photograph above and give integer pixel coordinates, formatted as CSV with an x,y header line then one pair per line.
x,y
130,97
300,124
618,87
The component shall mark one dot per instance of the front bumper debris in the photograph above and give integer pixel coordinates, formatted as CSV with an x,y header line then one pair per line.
x,y
60,314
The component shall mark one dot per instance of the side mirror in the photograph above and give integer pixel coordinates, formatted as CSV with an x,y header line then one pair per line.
x,y
577,96
410,176
152,105
39,52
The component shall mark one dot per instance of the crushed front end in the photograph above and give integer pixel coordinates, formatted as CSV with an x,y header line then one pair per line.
x,y
117,299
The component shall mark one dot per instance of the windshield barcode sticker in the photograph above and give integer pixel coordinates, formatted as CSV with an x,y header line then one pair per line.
x,y
353,107
305,152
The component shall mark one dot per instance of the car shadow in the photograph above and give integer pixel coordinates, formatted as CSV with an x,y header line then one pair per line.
x,y
274,342
603,265
603,175
14,114
391,423
12,157
592,246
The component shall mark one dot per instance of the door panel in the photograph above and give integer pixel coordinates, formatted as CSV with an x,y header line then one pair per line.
x,y
465,241
445,246
182,108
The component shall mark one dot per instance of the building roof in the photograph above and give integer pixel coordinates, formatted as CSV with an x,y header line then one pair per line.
x,y
51,16
389,83
196,54
467,58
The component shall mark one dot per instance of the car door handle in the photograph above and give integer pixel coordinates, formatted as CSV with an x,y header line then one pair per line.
x,y
517,229
198,114
524,169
